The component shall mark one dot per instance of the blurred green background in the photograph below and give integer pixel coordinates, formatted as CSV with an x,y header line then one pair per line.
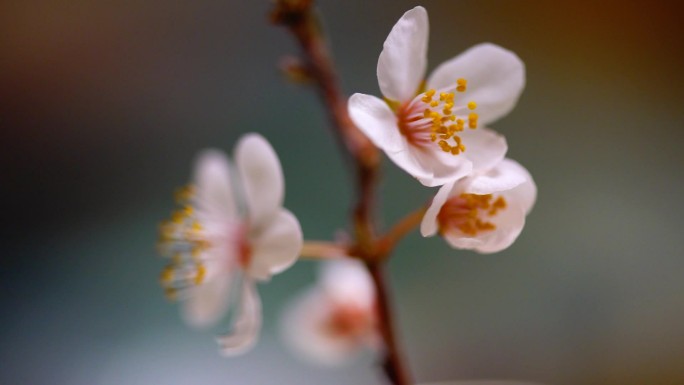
x,y
104,105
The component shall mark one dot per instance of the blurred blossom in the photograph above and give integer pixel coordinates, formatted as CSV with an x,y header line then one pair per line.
x,y
333,321
484,212
433,135
230,232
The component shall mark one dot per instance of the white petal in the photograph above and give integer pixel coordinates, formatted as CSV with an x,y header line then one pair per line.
x,y
429,225
459,241
443,166
484,147
431,168
208,302
403,59
509,224
495,76
506,175
262,177
213,184
375,119
276,247
347,281
524,194
304,330
245,330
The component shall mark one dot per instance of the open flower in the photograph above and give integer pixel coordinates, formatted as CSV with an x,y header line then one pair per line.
x,y
435,133
333,321
230,232
484,212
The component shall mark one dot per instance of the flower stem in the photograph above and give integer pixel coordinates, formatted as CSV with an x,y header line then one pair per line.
x,y
322,250
388,241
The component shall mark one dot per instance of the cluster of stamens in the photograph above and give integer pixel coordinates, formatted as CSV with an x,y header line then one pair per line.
x,y
181,239
469,213
431,117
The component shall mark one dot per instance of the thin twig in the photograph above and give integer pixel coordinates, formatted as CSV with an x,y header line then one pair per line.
x,y
388,241
322,250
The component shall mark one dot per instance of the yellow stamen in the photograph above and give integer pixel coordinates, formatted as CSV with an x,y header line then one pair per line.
x,y
166,275
440,111
178,217
171,294
184,194
201,272
472,120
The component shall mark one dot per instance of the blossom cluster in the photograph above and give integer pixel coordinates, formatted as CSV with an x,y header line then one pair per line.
x,y
231,230
435,130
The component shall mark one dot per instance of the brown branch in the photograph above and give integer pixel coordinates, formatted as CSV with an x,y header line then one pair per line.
x,y
299,17
393,364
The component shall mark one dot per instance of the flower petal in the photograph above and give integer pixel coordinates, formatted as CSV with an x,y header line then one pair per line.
x,y
245,330
524,194
213,184
507,175
403,59
375,119
431,168
496,77
509,225
443,167
208,302
484,147
429,225
407,161
262,178
347,281
276,247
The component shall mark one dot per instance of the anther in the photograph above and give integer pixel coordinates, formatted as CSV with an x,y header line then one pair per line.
x,y
201,272
461,85
166,275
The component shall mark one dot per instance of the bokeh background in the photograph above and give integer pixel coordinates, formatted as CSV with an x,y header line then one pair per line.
x,y
103,106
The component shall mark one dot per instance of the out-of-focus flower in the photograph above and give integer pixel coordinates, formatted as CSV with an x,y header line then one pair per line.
x,y
333,321
484,212
230,232
432,133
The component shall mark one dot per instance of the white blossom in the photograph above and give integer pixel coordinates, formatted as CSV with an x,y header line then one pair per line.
x,y
436,133
230,232
484,212
333,321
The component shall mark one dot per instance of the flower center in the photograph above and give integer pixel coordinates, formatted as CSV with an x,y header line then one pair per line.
x,y
432,117
348,320
470,213
187,236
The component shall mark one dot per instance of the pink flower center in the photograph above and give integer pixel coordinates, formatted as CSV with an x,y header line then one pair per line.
x,y
470,213
431,118
348,321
